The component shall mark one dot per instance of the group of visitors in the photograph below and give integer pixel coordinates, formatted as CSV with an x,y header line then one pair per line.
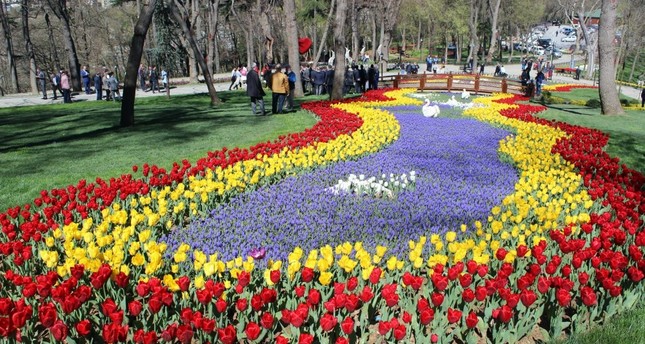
x,y
533,86
238,77
61,83
281,80
149,78
357,79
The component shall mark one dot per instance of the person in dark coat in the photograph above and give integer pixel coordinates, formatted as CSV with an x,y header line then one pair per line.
x,y
318,78
98,85
643,98
370,76
329,81
375,80
363,78
255,91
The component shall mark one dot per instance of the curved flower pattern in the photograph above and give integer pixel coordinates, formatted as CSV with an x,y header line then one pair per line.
x,y
567,238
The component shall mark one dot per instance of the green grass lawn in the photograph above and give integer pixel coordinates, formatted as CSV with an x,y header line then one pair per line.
x,y
52,146
625,328
585,94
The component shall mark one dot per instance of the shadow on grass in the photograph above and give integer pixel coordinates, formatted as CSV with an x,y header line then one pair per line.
x,y
50,124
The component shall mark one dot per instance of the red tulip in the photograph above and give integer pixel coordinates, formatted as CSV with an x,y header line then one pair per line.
x,y
267,321
328,322
588,296
252,331
472,320
275,276
241,304
347,325
399,332
47,314
383,327
527,297
453,315
83,327
426,316
305,338
227,335
307,274
135,307
314,297
59,330
366,294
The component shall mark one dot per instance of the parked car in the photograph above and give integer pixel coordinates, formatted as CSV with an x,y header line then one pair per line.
x,y
537,50
567,30
557,53
545,42
569,39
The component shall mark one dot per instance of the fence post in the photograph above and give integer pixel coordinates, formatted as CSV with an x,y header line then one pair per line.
x,y
396,81
476,83
504,85
422,82
449,85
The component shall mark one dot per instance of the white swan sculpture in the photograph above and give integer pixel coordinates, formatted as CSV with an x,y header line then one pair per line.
x,y
465,94
430,110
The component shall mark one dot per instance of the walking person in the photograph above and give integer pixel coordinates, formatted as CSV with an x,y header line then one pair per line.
x,y
154,79
98,85
142,77
41,77
164,79
56,85
280,88
113,84
539,80
233,78
106,85
65,86
643,98
255,91
429,61
85,76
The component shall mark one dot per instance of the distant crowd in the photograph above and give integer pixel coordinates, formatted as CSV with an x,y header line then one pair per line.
x,y
103,83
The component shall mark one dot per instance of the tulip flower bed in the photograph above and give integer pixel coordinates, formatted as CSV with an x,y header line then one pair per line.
x,y
562,248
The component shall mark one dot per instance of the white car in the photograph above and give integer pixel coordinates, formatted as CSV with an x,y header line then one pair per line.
x,y
569,39
537,50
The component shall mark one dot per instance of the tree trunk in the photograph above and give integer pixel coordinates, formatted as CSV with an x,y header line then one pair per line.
x,y
494,33
609,100
29,47
292,44
390,17
182,20
419,38
339,48
473,22
11,60
631,73
374,53
213,18
134,59
60,10
52,42
354,26
262,9
324,36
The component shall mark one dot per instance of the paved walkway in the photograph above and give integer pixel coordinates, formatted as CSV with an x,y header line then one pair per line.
x,y
25,99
